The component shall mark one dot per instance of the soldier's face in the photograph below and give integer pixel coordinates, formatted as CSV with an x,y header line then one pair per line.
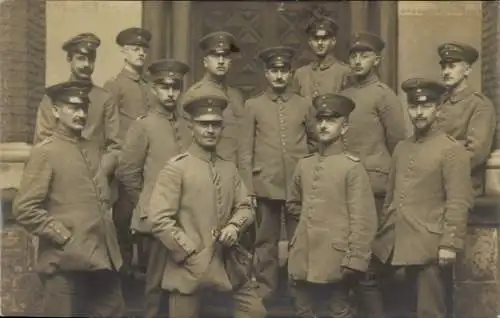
x,y
167,93
454,73
330,128
206,133
422,115
135,55
278,77
71,116
217,63
82,65
362,62
321,44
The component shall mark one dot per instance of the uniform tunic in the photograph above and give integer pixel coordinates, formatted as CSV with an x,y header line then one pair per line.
x,y
376,125
470,118
331,199
61,199
428,199
196,194
278,130
232,115
150,142
330,76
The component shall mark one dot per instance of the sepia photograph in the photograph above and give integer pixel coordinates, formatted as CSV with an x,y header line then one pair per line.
x,y
250,159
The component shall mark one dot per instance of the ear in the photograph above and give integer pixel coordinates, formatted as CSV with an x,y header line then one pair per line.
x,y
123,49
344,128
468,69
55,111
334,40
378,58
205,62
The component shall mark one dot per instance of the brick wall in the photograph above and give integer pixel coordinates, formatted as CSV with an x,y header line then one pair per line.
x,y
22,67
489,54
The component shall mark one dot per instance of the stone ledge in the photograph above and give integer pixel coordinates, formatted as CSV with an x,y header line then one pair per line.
x,y
486,212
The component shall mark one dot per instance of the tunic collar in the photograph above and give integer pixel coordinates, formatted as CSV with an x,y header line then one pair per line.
x,y
324,64
430,134
66,135
459,96
199,152
334,148
161,110
370,79
285,96
220,84
128,74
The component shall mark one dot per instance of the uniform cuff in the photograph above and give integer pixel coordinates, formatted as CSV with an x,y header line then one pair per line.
x,y
58,232
356,263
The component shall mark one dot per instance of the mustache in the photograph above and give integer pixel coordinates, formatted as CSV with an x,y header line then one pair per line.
x,y
85,70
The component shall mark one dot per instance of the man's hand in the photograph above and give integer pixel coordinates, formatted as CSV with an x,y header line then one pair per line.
x,y
446,256
347,272
253,201
229,235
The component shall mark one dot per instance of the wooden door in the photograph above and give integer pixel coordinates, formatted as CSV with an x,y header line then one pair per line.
x,y
257,25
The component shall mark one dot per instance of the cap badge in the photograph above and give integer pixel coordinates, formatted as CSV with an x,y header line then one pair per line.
x,y
74,99
220,44
324,105
419,90
170,73
422,98
209,110
210,101
139,38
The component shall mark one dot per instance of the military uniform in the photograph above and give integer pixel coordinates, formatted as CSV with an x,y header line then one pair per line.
x,y
66,203
428,198
468,116
221,43
102,126
150,142
133,97
328,75
196,195
278,131
331,199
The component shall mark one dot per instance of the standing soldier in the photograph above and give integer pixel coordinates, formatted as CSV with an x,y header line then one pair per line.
x,y
133,98
429,194
331,200
376,125
66,203
218,48
150,142
466,114
278,128
102,122
199,207
326,74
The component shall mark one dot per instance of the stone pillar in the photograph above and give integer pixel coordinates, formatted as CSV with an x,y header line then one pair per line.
x,y
153,20
181,37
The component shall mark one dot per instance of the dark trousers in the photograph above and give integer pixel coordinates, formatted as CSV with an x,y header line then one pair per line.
x,y
155,297
268,235
122,214
82,294
322,300
246,304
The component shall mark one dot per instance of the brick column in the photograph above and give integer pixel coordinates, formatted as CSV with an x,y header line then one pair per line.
x,y
22,69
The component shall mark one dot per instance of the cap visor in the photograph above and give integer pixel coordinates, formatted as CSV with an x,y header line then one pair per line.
x,y
208,117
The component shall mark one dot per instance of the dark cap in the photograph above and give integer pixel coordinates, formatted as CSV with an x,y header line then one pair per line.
x,y
71,92
134,36
167,71
277,56
366,41
219,42
206,107
421,90
85,43
454,51
327,105
322,26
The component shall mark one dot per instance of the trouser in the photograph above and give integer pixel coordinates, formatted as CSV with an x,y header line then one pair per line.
x,y
82,294
246,304
266,245
122,214
153,293
322,300
367,289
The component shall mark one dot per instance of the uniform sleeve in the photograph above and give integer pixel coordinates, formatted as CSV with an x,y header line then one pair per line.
x,y
296,82
45,120
362,219
114,89
29,208
312,136
392,118
246,147
244,215
459,197
132,158
480,133
294,198
164,207
389,196
111,132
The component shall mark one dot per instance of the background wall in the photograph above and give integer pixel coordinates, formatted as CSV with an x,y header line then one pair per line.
x,y
104,18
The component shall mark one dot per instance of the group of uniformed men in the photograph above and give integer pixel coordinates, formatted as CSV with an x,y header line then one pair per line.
x,y
184,176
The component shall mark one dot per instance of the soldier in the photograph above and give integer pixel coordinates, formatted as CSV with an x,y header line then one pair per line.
x,y
278,131
102,123
326,74
149,143
376,125
429,194
218,48
133,97
66,203
466,114
199,207
331,200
